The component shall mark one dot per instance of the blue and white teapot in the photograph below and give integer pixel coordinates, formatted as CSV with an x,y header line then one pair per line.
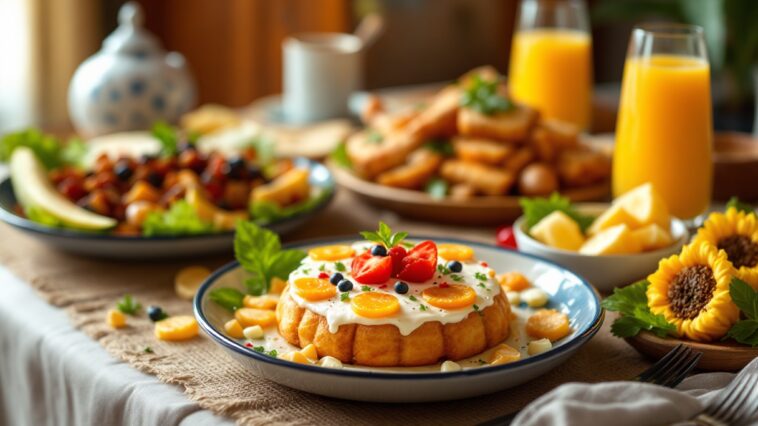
x,y
130,83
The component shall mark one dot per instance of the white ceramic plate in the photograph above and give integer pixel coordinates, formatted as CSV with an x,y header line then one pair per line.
x,y
568,293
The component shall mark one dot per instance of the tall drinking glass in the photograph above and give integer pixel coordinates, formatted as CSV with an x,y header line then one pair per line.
x,y
551,60
664,133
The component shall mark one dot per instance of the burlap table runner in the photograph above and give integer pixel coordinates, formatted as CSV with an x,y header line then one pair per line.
x,y
88,288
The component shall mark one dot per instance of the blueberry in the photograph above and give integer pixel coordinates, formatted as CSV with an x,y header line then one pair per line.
x,y
336,278
155,313
235,168
401,287
123,171
254,172
454,266
155,179
378,250
345,285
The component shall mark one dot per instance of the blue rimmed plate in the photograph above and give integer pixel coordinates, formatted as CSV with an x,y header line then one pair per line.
x,y
568,293
127,247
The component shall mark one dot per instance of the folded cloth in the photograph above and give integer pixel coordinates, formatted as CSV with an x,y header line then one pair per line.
x,y
626,403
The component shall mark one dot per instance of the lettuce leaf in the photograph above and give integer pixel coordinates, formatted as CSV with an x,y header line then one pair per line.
x,y
265,212
535,209
180,219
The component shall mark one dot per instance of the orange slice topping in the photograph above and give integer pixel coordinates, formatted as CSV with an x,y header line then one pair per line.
x,y
181,327
548,324
455,251
260,302
375,305
452,297
331,253
314,289
513,281
503,354
249,317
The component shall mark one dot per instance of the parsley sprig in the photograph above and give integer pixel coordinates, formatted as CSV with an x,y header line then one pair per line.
x,y
482,96
744,331
128,305
631,303
385,236
535,209
260,253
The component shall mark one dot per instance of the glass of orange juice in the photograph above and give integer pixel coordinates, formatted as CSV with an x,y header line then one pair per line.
x,y
551,60
664,132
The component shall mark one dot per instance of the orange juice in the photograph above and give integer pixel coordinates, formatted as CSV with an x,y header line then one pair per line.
x,y
664,131
551,70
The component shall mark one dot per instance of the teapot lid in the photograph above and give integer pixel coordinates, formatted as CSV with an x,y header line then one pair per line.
x,y
130,37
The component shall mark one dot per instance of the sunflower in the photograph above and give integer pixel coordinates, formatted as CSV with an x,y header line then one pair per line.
x,y
735,232
691,290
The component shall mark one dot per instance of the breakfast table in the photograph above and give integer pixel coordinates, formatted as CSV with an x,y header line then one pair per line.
x,y
63,363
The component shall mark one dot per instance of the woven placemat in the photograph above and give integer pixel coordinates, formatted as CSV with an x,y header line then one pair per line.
x,y
87,288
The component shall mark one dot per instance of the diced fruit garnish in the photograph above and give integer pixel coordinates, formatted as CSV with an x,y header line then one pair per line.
x,y
646,205
310,352
116,318
558,230
397,254
451,297
249,317
277,285
345,285
652,237
253,332
454,266
514,297
548,324
313,289
369,269
506,238
378,250
536,347
188,280
420,264
330,362
180,327
401,287
503,354
260,302
615,215
234,329
614,240
534,297
331,253
375,305
449,251
295,356
450,366
513,281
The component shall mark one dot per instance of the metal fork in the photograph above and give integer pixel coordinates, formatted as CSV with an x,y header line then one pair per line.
x,y
735,405
668,371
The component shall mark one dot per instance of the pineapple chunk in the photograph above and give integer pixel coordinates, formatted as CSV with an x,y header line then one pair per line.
x,y
652,237
614,240
615,215
559,231
646,205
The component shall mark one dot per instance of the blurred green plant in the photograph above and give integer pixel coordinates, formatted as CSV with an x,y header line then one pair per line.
x,y
730,30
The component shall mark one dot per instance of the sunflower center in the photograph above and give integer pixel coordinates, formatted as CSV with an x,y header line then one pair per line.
x,y
691,290
740,250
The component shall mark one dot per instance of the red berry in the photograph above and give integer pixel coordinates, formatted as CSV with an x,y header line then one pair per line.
x,y
323,275
420,264
506,238
369,269
397,254
444,285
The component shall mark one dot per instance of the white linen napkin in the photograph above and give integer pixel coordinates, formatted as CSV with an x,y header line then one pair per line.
x,y
625,403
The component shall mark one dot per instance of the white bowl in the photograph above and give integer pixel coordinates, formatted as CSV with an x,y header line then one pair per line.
x,y
603,272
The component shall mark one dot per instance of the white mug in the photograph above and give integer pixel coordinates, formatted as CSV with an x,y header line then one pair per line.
x,y
321,71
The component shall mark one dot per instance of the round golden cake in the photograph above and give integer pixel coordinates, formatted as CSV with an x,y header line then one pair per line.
x,y
419,334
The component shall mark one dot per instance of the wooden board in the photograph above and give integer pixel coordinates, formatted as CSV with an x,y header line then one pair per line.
x,y
717,356
489,210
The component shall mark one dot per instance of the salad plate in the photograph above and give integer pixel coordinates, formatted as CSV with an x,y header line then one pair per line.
x,y
104,245
568,294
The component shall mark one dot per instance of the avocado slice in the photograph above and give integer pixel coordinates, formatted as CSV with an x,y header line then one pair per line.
x,y
34,190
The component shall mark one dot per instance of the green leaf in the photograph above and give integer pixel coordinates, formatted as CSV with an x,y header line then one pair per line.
x,y
180,219
228,298
436,188
339,156
745,332
482,96
128,305
631,303
626,327
744,297
265,212
74,152
442,147
384,236
47,148
739,205
167,136
535,209
260,253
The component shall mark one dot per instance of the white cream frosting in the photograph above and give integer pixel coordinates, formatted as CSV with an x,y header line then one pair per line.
x,y
413,313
